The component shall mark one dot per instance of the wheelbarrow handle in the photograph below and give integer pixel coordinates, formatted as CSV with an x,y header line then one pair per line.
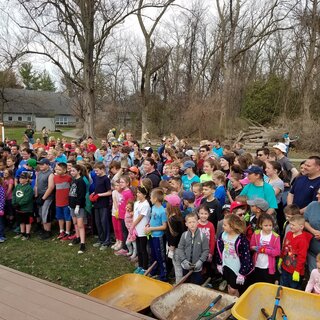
x,y
184,278
150,268
222,311
265,313
206,282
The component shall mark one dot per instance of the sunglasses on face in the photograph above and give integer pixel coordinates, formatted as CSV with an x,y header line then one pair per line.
x,y
203,150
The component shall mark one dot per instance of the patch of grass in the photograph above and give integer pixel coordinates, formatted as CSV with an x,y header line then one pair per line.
x,y
17,133
55,261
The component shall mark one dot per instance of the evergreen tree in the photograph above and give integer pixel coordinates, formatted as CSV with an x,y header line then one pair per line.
x,y
45,82
29,78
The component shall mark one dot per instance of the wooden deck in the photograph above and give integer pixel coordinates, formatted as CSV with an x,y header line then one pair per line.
x,y
26,297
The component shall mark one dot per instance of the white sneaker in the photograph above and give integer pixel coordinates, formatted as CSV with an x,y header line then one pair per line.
x,y
223,285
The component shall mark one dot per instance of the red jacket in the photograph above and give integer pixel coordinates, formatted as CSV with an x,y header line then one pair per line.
x,y
294,252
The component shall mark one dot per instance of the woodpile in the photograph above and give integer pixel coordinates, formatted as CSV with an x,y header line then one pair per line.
x,y
258,136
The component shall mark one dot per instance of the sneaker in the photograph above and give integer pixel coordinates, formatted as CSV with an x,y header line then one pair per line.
x,y
118,246
82,248
142,271
129,254
2,239
66,237
72,237
103,247
17,230
46,235
97,245
137,270
121,252
26,237
61,235
223,285
74,242
18,236
114,245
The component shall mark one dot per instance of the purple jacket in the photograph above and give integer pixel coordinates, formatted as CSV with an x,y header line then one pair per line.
x,y
273,250
243,252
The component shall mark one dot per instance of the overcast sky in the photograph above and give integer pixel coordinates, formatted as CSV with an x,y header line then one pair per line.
x,y
129,28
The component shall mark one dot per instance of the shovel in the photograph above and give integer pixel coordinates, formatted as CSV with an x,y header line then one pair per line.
x,y
202,314
214,315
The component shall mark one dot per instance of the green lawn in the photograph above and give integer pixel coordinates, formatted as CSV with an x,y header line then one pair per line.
x,y
18,133
55,261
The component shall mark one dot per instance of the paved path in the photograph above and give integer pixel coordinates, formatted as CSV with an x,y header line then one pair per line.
x,y
74,133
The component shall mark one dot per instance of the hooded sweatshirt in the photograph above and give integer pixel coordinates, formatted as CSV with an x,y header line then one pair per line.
x,y
294,252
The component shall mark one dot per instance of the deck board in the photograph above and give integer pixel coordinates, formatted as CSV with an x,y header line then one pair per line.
x,y
26,297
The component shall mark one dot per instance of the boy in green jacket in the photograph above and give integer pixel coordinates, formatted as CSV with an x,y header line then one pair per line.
x,y
22,201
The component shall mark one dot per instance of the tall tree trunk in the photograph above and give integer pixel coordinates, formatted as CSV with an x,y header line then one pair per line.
x,y
307,91
87,11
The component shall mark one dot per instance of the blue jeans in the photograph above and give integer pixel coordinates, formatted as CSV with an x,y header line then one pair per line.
x,y
286,280
102,224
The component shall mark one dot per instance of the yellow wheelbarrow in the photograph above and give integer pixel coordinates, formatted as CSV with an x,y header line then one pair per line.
x,y
298,305
131,291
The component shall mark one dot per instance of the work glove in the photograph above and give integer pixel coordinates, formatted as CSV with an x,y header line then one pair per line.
x,y
279,265
220,268
76,210
93,197
296,276
240,279
262,249
186,265
198,266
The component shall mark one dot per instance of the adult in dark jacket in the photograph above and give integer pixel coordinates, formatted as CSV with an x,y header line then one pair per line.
x,y
151,172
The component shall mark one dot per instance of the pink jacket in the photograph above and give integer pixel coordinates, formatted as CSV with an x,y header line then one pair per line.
x,y
273,250
314,282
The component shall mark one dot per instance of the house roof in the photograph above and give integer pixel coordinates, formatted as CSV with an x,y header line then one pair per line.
x,y
41,103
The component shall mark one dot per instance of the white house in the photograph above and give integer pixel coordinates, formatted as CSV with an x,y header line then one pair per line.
x,y
38,108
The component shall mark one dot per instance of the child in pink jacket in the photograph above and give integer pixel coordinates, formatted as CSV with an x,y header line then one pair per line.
x,y
265,244
314,281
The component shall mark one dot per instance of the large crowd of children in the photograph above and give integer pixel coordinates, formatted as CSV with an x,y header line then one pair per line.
x,y
218,211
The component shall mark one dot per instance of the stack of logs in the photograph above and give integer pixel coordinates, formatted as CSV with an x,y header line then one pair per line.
x,y
257,137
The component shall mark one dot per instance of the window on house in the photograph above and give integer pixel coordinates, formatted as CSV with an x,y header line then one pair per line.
x,y
9,118
61,121
19,118
29,119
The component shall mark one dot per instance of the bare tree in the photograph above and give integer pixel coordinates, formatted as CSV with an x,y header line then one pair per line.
x,y
242,28
149,67
309,39
73,34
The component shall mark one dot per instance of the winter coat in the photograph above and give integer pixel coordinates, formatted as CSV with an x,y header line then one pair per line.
x,y
243,252
272,250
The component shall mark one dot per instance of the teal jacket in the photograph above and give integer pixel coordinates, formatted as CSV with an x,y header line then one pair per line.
x,y
22,196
